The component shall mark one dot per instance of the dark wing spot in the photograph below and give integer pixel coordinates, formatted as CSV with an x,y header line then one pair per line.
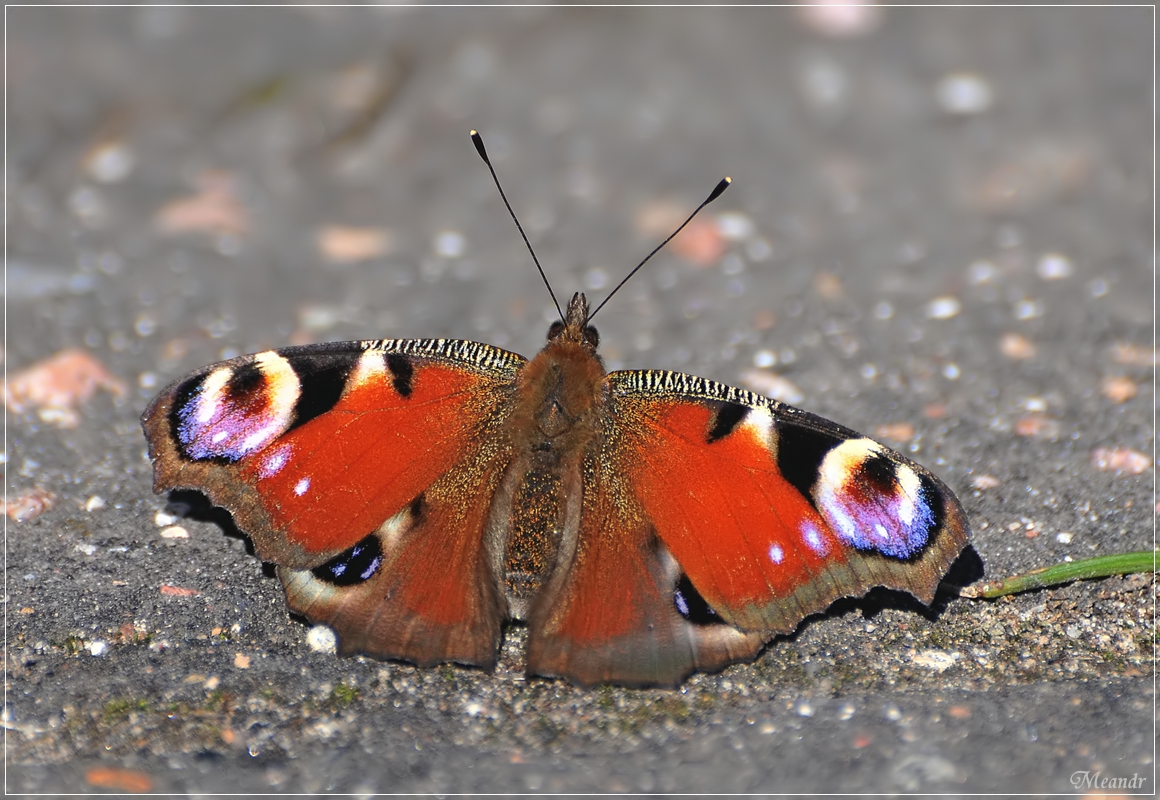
x,y
800,451
691,605
728,417
356,565
322,387
879,471
402,373
244,382
416,509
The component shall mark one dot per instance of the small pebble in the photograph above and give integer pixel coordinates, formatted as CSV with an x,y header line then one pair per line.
x,y
321,639
1017,346
449,244
162,519
980,272
1064,538
735,226
110,161
1053,267
964,93
94,502
763,359
1028,309
1118,388
943,307
98,648
985,482
174,532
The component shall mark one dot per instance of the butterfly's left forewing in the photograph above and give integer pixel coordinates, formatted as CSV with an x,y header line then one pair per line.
x,y
364,470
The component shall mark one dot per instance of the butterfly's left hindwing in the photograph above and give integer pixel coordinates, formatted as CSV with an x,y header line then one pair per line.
x,y
362,469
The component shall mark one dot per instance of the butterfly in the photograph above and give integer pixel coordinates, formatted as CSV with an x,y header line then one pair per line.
x,y
416,494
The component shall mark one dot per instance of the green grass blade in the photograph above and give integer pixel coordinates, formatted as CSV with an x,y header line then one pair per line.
x,y
1099,567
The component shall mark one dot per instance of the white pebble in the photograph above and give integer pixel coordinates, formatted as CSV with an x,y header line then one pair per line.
x,y
98,648
110,162
1065,537
943,307
964,93
94,502
321,639
937,660
1028,309
763,359
1053,267
735,226
804,709
450,244
174,532
982,271
162,519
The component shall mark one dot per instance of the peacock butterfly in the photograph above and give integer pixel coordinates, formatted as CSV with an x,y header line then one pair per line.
x,y
417,493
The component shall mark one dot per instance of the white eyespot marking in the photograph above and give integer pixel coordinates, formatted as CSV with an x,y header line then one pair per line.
x,y
759,423
210,396
282,384
371,365
776,554
910,486
230,418
843,462
301,487
814,539
873,500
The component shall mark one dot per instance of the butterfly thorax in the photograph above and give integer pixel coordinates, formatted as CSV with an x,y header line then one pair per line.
x,y
557,415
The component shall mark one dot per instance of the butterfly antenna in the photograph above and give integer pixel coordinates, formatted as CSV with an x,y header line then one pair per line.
x,y
478,140
721,187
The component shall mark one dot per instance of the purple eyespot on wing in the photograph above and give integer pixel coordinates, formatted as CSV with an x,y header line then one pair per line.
x,y
231,412
873,502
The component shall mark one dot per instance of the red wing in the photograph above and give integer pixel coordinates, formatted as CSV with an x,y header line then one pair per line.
x,y
420,587
609,616
773,513
316,450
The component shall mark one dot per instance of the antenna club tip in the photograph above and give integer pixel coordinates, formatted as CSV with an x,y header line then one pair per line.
x,y
728,180
477,140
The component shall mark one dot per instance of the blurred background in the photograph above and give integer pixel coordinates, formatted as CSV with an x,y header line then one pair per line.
x,y
940,231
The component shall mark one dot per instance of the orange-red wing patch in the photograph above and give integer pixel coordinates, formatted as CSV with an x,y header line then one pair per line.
x,y
611,617
421,587
332,481
736,526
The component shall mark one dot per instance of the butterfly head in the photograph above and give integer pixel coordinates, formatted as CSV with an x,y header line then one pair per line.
x,y
575,327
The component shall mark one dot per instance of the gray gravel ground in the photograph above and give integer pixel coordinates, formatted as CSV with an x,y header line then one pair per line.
x,y
941,233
